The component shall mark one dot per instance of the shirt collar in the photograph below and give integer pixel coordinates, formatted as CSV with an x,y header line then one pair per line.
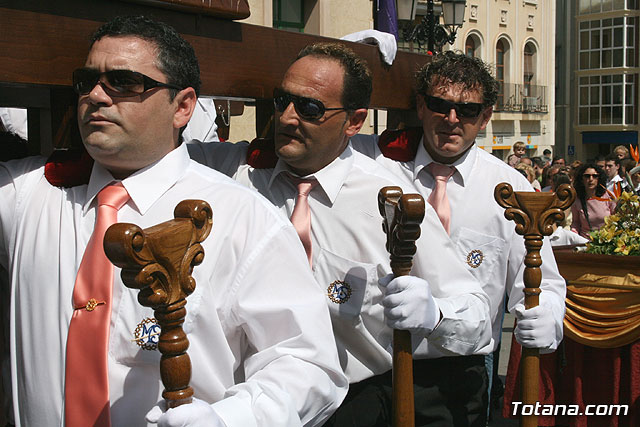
x,y
330,178
464,165
148,184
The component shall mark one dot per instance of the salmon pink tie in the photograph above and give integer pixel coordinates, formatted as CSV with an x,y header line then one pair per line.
x,y
301,215
86,374
438,197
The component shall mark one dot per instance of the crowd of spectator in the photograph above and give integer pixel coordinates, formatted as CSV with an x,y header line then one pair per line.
x,y
598,182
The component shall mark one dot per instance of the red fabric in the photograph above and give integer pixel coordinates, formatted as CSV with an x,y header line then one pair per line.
x,y
68,168
401,144
580,375
262,154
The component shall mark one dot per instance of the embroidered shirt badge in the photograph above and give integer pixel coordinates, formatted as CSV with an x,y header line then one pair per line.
x,y
147,334
339,292
475,258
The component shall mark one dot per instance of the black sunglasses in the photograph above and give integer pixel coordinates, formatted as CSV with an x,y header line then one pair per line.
x,y
463,109
590,175
116,83
307,108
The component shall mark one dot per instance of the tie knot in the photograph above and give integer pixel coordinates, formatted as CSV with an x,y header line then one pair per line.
x,y
304,184
441,172
114,195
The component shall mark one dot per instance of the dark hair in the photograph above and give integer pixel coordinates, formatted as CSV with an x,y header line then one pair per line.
x,y
626,165
546,151
581,193
612,157
357,85
538,162
454,67
559,179
175,58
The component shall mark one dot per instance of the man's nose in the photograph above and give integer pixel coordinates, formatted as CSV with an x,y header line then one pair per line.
x,y
289,114
97,95
452,116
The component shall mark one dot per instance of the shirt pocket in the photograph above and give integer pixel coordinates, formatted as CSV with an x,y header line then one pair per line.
x,y
134,336
481,253
350,287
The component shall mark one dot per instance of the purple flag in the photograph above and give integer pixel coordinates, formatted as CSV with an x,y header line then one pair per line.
x,y
387,17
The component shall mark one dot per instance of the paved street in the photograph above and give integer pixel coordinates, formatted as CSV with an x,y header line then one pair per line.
x,y
507,332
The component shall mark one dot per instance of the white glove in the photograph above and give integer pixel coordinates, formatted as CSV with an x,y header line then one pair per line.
x,y
195,414
408,304
536,327
386,42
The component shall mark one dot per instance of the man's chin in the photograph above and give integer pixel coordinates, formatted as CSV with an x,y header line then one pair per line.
x,y
448,152
287,148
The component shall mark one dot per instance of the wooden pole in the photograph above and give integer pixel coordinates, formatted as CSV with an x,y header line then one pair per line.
x,y
402,215
158,261
534,214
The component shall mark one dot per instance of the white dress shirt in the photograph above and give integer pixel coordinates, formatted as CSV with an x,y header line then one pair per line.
x,y
478,224
349,246
611,183
202,125
261,346
14,120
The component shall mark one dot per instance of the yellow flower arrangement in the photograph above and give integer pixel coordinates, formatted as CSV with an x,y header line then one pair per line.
x,y
620,234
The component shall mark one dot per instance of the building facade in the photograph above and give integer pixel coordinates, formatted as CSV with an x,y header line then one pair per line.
x,y
517,38
598,62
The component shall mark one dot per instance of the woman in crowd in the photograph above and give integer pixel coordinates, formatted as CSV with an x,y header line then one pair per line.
x,y
592,202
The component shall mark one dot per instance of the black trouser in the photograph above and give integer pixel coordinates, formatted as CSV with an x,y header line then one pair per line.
x,y
449,391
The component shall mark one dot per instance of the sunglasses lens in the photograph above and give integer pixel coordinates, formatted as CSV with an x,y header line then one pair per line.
x,y
281,102
125,82
84,80
115,82
468,110
442,106
439,105
309,109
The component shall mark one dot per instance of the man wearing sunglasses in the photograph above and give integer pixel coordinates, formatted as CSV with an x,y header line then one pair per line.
x,y
321,103
261,347
455,99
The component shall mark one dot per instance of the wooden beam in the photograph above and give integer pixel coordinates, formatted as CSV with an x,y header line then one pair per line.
x,y
43,42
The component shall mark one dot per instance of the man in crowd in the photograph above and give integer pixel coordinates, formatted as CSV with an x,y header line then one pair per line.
x,y
261,346
615,183
321,103
538,166
558,161
455,98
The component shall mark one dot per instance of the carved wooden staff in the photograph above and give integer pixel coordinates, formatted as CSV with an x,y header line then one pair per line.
x,y
402,215
159,261
534,214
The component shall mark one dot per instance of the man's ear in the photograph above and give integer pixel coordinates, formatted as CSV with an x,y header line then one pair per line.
x,y
185,102
355,122
486,116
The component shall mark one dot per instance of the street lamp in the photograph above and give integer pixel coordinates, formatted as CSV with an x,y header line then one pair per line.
x,y
428,30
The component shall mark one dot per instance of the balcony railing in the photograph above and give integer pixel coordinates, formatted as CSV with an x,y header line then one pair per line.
x,y
519,98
